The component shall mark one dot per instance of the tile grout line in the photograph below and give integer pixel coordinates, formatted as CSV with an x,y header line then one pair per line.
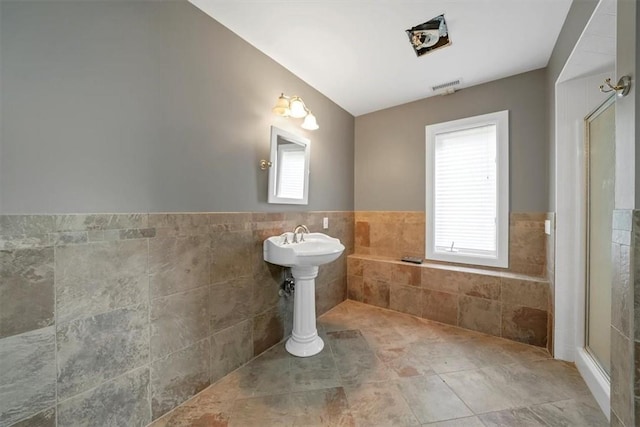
x,y
404,398
210,276
456,394
530,408
184,291
110,380
55,334
209,351
102,313
149,299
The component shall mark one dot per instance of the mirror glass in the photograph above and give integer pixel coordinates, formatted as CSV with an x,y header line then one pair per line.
x,y
289,172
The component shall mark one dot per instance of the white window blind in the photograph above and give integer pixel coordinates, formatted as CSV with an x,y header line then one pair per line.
x,y
291,173
465,191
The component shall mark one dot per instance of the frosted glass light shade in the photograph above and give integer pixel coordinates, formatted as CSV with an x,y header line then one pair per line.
x,y
310,122
297,108
282,106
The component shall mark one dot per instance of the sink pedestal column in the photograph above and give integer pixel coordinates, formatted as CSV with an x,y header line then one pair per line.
x,y
304,340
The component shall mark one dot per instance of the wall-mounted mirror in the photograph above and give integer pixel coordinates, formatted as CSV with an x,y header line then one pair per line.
x,y
289,171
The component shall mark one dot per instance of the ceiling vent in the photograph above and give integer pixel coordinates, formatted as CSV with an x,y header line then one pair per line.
x,y
446,85
446,88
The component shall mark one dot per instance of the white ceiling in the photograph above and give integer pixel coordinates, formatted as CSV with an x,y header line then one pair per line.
x,y
596,48
356,52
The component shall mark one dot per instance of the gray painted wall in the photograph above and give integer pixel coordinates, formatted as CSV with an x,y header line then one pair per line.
x,y
148,106
574,24
390,144
1,113
627,108
636,32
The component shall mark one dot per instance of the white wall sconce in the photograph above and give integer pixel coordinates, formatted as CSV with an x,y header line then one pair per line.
x,y
295,107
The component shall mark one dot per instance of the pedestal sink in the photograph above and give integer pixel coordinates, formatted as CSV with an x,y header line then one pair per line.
x,y
304,258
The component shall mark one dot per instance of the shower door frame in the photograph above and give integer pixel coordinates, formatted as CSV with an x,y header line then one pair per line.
x,y
574,100
610,101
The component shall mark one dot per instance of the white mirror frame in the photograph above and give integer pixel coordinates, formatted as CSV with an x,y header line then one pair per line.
x,y
280,134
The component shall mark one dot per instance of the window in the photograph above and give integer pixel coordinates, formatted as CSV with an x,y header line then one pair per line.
x,y
468,190
292,158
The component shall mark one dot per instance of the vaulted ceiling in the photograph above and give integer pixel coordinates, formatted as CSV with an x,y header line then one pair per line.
x,y
356,52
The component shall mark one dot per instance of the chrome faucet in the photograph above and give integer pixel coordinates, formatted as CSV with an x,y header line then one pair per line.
x,y
303,229
285,241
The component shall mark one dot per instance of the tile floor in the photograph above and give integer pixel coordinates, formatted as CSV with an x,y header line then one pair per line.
x,y
383,368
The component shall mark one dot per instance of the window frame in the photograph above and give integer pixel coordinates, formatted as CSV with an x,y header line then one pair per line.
x,y
501,120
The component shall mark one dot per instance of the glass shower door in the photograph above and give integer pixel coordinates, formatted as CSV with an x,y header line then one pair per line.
x,y
600,149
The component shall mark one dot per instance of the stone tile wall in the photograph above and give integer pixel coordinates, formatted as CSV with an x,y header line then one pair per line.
x,y
115,319
630,276
625,343
550,274
508,305
395,234
452,296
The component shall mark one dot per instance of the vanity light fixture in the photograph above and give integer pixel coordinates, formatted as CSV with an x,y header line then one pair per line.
x,y
295,107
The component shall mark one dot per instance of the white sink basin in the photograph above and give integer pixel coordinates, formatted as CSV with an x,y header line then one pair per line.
x,y
317,249
304,258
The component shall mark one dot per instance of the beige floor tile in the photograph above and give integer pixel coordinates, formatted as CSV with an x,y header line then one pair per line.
x,y
277,371
382,368
560,376
431,399
446,356
574,412
460,422
480,391
197,413
345,420
486,351
385,337
263,377
409,364
521,417
395,350
379,404
313,373
356,361
273,411
326,407
496,388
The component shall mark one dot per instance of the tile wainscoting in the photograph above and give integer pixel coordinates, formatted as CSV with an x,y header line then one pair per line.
x,y
503,304
118,318
625,319
396,234
514,303
550,258
121,317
